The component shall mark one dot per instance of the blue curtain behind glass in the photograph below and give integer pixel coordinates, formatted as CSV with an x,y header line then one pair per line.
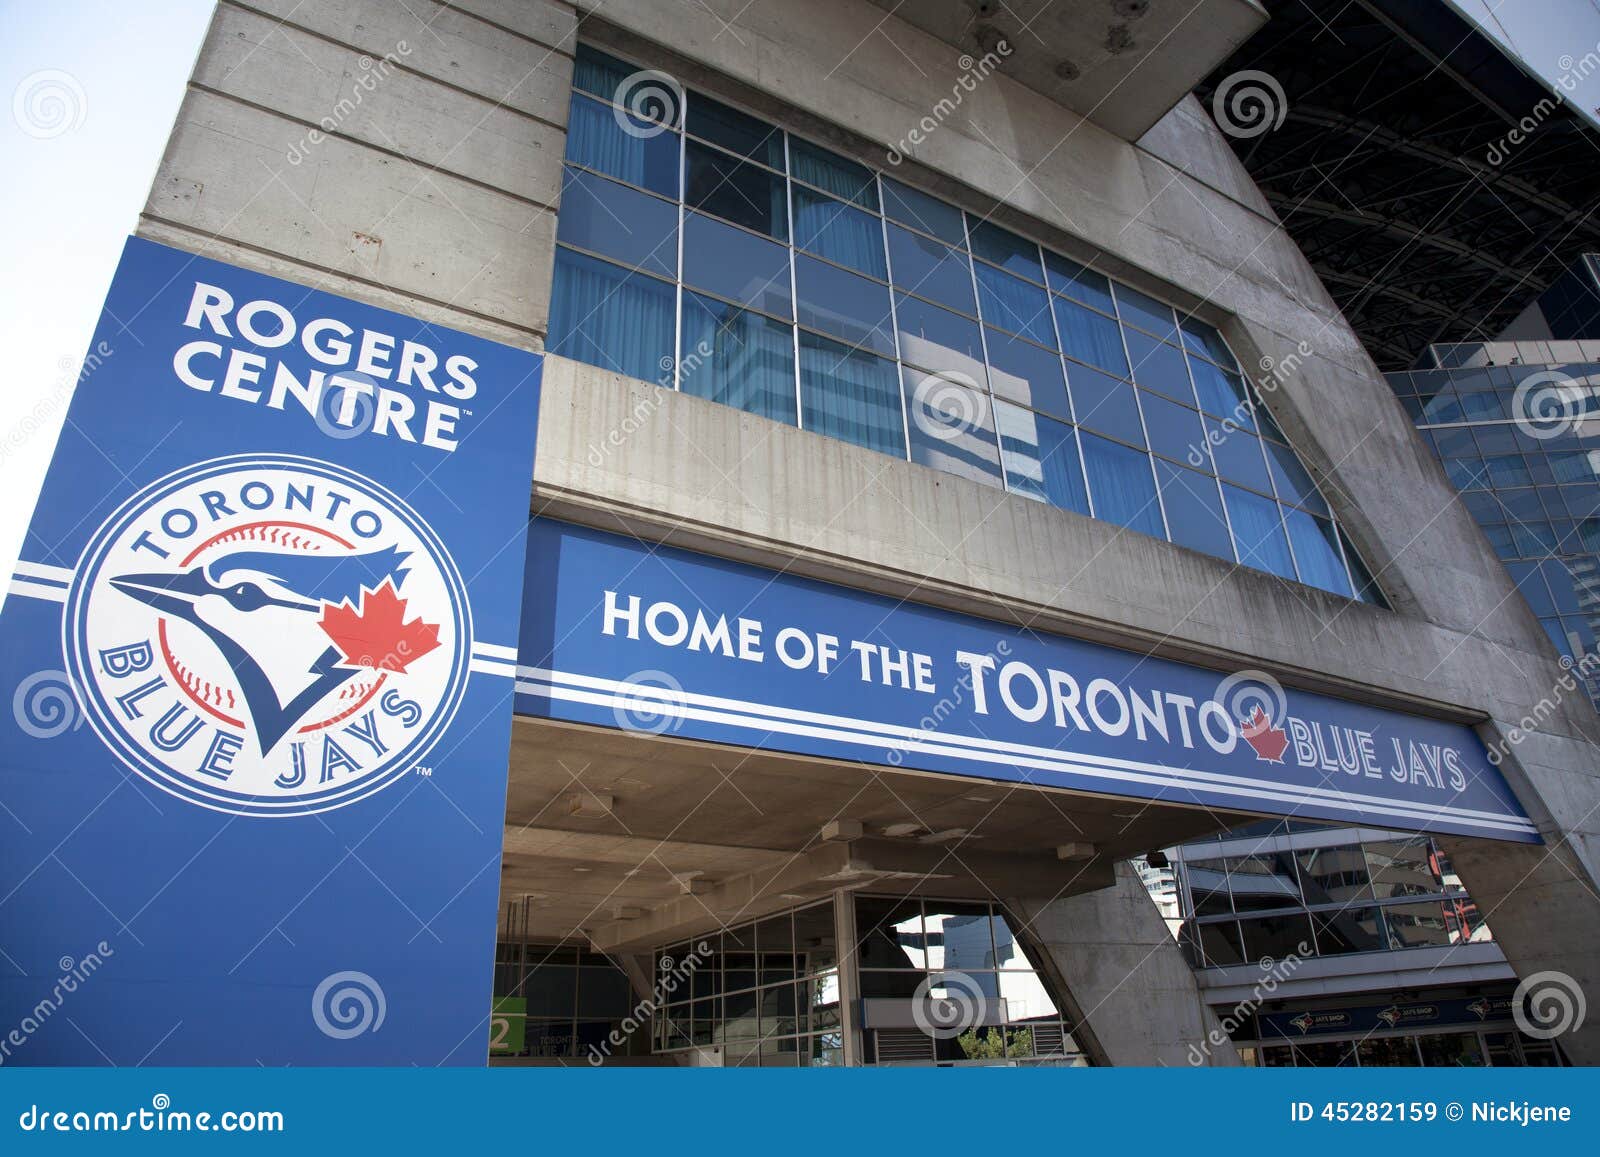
x,y
596,141
1124,489
1258,532
737,358
838,232
610,318
850,395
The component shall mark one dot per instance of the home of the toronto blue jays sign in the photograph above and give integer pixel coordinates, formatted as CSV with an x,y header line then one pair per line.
x,y
259,648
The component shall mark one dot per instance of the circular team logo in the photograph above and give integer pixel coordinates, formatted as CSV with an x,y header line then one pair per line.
x,y
268,635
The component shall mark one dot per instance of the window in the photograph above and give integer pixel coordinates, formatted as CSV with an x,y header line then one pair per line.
x,y
698,242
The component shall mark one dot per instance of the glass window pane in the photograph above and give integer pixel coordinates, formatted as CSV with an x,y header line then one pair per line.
x,y
951,427
1276,936
1200,338
838,232
1334,875
1041,458
931,270
1208,887
775,947
1194,510
737,265
1005,249
1237,455
833,173
844,304
1348,930
1159,367
1026,373
1221,393
1091,337
603,315
939,340
1393,1052
1102,403
1008,950
1144,311
738,358
1420,926
850,395
1258,532
1316,551
734,130
597,139
1263,881
1013,304
959,936
1123,489
1174,430
1220,944
814,938
597,72
604,217
736,191
928,214
1402,868
1080,284
1293,483
890,933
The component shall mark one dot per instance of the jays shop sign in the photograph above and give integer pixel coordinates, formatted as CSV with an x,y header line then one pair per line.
x,y
259,641
619,633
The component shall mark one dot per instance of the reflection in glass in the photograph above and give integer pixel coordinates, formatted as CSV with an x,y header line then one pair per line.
x,y
950,427
1041,458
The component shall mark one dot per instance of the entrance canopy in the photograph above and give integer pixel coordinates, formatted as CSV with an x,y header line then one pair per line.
x,y
644,638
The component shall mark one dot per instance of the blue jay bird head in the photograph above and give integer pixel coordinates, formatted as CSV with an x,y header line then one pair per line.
x,y
251,580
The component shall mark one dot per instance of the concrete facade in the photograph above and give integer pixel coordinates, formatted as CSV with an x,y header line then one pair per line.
x,y
435,193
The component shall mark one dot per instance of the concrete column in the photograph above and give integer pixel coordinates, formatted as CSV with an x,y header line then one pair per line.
x,y
1112,953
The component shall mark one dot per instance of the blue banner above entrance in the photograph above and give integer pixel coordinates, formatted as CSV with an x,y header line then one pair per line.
x,y
627,634
260,642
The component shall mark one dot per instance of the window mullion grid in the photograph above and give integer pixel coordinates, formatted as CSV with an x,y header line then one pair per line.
x,y
794,291
1138,403
983,345
1066,381
894,323
683,217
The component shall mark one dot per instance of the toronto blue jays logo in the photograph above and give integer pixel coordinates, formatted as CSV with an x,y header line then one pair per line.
x,y
268,635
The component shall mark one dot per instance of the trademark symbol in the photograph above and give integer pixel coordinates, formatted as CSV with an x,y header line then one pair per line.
x,y
424,770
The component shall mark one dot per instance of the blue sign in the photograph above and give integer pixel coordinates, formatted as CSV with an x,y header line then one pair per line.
x,y
261,641
1365,1019
648,638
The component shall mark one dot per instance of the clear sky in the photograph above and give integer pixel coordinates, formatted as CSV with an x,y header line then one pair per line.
x,y
91,90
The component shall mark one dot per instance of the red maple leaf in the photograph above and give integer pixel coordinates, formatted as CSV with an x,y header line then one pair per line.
x,y
378,636
1268,741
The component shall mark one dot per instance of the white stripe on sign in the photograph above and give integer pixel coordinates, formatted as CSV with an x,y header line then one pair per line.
x,y
44,573
758,716
38,591
495,651
487,667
